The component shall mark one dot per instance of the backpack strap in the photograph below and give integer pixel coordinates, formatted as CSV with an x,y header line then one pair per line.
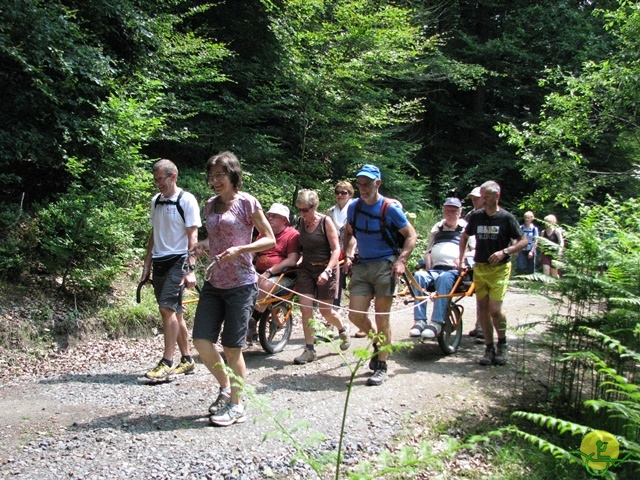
x,y
386,231
387,236
171,202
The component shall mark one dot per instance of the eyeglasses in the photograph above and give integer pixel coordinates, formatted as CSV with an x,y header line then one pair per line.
x,y
341,193
365,185
216,176
161,179
304,210
275,216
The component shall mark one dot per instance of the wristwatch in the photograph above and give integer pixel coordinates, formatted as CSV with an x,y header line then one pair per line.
x,y
329,272
268,270
191,267
505,252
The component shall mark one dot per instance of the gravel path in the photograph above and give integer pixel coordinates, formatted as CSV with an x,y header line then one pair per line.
x,y
85,413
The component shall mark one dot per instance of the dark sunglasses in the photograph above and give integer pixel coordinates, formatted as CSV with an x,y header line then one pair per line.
x,y
304,210
341,193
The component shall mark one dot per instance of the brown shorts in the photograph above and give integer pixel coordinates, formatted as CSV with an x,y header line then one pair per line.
x,y
306,283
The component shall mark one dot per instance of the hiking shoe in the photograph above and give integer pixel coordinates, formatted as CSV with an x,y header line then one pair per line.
x,y
161,372
220,402
502,354
379,375
373,362
479,337
474,332
489,355
417,329
306,357
185,367
229,415
432,330
344,338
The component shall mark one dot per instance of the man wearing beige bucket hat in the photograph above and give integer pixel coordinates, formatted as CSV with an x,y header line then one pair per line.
x,y
286,253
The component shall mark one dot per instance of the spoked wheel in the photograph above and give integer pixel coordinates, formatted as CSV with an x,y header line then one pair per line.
x,y
451,334
274,337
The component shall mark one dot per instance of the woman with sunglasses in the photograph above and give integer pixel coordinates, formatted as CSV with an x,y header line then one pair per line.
x,y
338,214
317,272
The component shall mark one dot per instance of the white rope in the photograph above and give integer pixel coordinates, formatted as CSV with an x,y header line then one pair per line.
x,y
216,259
331,304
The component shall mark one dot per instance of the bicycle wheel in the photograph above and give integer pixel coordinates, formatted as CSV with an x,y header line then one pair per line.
x,y
274,337
451,334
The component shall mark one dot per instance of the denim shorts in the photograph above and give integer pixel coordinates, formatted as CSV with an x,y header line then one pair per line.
x,y
373,279
231,308
168,275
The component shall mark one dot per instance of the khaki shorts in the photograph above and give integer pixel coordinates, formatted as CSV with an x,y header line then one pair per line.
x,y
492,280
373,279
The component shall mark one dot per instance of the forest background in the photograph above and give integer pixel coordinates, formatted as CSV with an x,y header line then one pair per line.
x,y
539,96
542,97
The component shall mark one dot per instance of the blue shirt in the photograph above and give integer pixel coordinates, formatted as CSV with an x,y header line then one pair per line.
x,y
531,234
372,246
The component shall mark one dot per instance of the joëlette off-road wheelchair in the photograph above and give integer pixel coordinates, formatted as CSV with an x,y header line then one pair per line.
x,y
451,334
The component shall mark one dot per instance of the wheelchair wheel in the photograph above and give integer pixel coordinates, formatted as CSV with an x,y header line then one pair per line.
x,y
451,334
274,337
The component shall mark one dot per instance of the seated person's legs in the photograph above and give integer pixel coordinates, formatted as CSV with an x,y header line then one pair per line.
x,y
444,283
265,286
425,279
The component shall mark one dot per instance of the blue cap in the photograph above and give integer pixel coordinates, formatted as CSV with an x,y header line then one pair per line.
x,y
453,201
370,171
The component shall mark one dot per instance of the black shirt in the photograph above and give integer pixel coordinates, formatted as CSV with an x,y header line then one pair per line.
x,y
492,233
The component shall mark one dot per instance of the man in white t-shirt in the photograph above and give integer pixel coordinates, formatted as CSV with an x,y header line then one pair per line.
x,y
174,218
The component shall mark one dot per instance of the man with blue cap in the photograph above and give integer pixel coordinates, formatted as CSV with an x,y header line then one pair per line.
x,y
375,222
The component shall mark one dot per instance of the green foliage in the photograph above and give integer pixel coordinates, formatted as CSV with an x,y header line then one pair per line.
x,y
627,408
122,318
333,97
501,46
594,341
53,76
92,230
425,220
90,86
585,142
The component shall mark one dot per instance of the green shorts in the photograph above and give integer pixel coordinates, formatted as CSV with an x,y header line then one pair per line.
x,y
373,279
491,280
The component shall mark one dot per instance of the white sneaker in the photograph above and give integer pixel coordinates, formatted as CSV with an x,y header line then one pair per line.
x,y
432,330
417,329
229,415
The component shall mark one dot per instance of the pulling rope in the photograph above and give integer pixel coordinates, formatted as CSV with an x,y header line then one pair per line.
x,y
208,273
320,302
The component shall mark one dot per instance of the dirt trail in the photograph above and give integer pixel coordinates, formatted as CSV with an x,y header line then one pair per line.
x,y
86,408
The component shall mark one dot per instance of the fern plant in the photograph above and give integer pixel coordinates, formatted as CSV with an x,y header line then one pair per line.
x,y
625,406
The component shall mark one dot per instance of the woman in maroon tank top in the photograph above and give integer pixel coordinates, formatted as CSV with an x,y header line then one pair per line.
x,y
553,234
